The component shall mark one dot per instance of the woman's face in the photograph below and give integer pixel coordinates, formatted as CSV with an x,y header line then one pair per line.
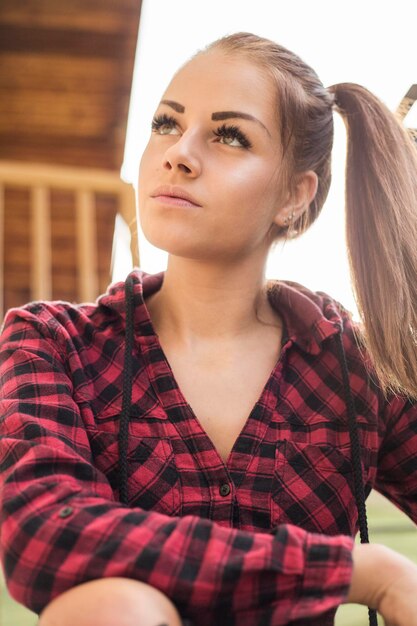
x,y
231,174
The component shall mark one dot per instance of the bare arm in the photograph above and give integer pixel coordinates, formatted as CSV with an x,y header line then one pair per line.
x,y
386,581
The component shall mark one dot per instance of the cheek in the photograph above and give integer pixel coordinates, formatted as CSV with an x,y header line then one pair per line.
x,y
150,161
248,192
143,167
147,176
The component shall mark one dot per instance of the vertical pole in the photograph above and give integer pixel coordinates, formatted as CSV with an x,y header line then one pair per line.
x,y
87,266
41,272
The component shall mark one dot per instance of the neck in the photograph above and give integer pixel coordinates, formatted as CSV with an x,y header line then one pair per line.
x,y
199,302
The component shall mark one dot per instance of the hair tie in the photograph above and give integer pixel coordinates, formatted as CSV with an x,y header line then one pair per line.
x,y
332,96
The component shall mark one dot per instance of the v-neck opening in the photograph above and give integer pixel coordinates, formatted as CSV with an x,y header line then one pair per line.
x,y
258,406
257,412
184,428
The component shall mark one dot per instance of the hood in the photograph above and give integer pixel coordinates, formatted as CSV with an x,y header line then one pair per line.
x,y
310,317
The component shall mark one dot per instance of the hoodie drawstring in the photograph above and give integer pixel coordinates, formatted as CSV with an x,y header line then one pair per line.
x,y
127,401
127,392
355,448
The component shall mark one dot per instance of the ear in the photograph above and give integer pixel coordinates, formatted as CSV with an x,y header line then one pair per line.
x,y
298,204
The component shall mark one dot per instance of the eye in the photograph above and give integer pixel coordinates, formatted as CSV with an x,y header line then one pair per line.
x,y
235,133
164,121
160,121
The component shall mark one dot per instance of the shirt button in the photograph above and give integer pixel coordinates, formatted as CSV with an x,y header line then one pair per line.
x,y
224,489
66,511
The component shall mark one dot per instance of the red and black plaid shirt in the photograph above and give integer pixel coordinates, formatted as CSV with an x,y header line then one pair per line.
x,y
265,539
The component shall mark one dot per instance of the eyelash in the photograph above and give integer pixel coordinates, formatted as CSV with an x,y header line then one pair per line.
x,y
222,131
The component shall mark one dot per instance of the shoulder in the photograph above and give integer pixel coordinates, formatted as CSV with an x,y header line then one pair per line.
x,y
323,300
59,319
314,314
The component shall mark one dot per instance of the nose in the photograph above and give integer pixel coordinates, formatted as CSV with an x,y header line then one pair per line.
x,y
182,155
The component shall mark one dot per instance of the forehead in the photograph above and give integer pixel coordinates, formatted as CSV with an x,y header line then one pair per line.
x,y
215,81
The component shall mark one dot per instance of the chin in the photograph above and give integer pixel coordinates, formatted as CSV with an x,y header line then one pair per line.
x,y
182,241
169,242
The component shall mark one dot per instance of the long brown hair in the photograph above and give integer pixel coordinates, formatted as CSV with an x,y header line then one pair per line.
x,y
381,197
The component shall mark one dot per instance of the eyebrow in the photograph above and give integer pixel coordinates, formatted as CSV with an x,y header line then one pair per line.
x,y
218,115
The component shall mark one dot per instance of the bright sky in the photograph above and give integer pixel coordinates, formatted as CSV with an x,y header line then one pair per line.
x,y
371,43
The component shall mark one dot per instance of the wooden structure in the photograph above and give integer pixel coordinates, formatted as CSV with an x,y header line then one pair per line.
x,y
58,226
65,79
404,107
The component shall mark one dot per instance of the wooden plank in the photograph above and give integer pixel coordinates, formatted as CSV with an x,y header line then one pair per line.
x,y
41,272
62,230
17,278
17,256
97,152
86,246
28,175
104,15
16,244
57,73
67,114
77,43
65,285
83,56
18,297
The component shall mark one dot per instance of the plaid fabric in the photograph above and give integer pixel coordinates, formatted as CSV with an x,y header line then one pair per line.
x,y
265,539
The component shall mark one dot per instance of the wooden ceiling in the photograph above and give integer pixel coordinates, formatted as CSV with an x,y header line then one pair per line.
x,y
65,79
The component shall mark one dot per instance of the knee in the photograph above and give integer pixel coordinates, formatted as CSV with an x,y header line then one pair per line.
x,y
111,601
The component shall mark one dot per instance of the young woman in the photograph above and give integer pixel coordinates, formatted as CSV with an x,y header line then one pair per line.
x,y
197,446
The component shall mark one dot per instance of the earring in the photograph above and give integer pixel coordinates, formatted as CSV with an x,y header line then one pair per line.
x,y
290,218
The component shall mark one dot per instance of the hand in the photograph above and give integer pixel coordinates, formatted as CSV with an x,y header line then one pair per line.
x,y
398,605
386,581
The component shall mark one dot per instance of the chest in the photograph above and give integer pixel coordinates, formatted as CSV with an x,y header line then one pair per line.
x,y
222,389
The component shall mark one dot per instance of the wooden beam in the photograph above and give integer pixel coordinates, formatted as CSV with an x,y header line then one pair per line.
x,y
98,153
30,175
103,16
75,42
86,246
41,268
60,113
31,72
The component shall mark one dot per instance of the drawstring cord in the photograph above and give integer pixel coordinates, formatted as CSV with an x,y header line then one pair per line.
x,y
127,401
355,447
127,392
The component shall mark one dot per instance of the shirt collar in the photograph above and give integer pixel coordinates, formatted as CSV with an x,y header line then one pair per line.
x,y
310,317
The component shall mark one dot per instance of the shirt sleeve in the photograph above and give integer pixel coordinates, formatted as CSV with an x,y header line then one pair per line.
x,y
397,460
61,524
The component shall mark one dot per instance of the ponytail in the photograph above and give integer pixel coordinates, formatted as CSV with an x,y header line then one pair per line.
x,y
381,197
381,233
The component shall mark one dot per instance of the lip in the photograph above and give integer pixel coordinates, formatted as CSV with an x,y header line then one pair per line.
x,y
174,201
164,192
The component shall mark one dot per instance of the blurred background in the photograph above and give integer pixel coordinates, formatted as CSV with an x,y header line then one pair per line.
x,y
79,83
65,81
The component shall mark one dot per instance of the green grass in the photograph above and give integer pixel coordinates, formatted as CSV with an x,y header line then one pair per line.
x,y
387,525
13,614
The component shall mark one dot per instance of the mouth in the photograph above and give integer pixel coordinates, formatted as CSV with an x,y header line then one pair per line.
x,y
175,201
176,196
